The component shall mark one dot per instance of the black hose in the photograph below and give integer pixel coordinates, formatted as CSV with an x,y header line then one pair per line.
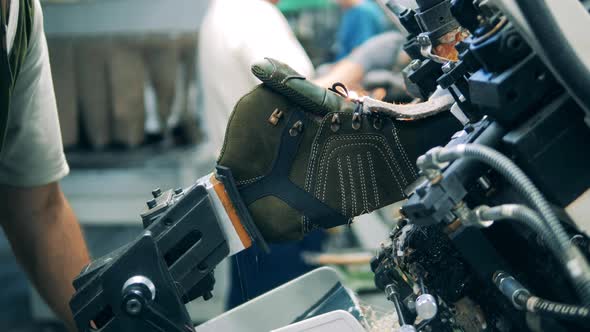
x,y
522,299
554,309
574,74
570,255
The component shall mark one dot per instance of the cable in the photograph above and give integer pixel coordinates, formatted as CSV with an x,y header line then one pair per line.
x,y
560,54
570,255
524,215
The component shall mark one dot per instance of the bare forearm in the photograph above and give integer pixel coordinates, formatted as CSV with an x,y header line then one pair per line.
x,y
345,72
48,243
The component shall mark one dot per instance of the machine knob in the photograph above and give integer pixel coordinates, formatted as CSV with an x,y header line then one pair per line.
x,y
407,328
152,203
426,306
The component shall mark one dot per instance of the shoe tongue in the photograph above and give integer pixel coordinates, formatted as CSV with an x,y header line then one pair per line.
x,y
286,81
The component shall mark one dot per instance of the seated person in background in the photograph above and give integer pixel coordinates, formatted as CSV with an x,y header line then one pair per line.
x,y
362,19
233,36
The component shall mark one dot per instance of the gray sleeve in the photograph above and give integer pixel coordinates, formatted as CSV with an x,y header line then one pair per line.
x,y
33,152
379,52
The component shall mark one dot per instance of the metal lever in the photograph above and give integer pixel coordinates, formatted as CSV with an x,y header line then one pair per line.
x,y
393,296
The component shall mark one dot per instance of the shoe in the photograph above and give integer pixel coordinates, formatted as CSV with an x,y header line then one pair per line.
x,y
305,157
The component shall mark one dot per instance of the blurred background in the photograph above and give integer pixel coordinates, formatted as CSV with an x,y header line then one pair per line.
x,y
130,100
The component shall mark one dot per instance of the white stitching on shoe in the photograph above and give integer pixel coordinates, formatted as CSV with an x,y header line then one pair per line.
x,y
373,178
403,150
342,189
248,181
380,139
352,186
387,162
363,186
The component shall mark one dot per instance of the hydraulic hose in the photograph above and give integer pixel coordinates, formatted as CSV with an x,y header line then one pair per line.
x,y
522,299
558,310
572,258
525,216
574,74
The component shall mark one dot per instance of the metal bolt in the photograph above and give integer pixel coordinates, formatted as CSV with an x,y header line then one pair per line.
x,y
423,39
156,192
484,183
447,67
133,306
151,203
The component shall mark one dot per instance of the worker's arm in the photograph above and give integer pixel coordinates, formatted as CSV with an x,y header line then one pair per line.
x,y
46,239
35,215
380,52
345,71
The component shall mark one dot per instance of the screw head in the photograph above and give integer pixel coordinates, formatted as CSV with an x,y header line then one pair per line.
x,y
133,306
447,67
415,64
423,39
151,203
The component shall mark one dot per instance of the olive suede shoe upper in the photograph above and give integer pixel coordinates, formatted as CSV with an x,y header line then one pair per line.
x,y
305,157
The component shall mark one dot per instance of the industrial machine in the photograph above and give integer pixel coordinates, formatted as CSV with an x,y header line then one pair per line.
x,y
493,235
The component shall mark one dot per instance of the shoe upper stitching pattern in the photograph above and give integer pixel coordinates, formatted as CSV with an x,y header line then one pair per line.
x,y
403,151
366,206
357,138
353,208
387,162
373,178
314,149
342,190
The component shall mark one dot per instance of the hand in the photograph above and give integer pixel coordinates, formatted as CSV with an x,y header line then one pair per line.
x,y
306,157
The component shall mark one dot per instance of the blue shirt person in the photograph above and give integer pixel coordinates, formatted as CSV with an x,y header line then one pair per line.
x,y
362,19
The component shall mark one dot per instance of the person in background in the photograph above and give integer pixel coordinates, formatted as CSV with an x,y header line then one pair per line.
x,y
382,53
234,35
362,19
36,217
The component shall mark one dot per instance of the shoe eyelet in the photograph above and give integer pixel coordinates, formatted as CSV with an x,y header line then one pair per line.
x,y
275,117
296,129
335,125
378,123
356,121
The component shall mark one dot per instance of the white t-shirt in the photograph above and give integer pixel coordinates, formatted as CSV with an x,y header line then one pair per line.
x,y
234,35
33,150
